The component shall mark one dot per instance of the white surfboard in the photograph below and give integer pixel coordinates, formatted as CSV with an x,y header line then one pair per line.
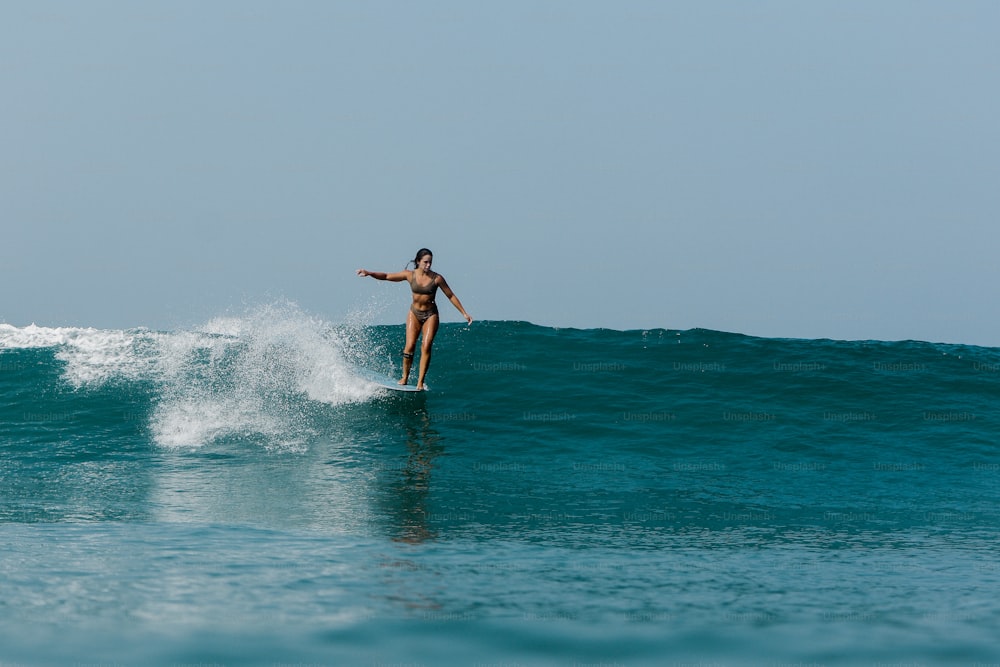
x,y
386,382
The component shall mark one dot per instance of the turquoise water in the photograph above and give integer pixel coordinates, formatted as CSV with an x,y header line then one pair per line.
x,y
238,493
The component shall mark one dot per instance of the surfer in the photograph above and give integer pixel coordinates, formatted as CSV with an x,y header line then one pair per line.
x,y
423,318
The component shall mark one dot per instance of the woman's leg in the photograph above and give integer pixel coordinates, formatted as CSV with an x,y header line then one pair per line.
x,y
412,329
427,340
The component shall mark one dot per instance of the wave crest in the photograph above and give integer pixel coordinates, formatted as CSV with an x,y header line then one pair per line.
x,y
249,375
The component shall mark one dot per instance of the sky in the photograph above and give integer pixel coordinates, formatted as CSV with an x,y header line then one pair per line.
x,y
782,169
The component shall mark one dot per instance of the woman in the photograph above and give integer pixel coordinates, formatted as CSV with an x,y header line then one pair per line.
x,y
423,317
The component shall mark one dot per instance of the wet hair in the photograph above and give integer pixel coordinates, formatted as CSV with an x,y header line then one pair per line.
x,y
423,252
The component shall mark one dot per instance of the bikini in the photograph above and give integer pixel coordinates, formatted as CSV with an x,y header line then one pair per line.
x,y
423,315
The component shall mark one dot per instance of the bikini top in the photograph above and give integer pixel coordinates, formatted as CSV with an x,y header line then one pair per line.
x,y
422,289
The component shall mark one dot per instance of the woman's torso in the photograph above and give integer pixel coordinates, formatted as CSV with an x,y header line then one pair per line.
x,y
424,288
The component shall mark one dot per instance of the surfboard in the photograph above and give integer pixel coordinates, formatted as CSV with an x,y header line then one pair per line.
x,y
395,386
386,382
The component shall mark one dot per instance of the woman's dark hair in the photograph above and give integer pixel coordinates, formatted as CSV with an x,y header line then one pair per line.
x,y
423,252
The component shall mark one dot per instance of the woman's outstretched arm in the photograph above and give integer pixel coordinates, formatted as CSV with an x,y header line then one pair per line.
x,y
380,275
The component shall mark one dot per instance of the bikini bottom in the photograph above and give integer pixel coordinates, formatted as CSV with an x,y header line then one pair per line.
x,y
423,315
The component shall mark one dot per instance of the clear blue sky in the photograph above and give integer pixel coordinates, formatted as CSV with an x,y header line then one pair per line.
x,y
791,169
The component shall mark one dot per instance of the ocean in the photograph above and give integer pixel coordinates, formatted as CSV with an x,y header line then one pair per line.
x,y
239,494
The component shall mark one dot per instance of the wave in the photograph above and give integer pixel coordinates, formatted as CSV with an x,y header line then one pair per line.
x,y
272,374
238,375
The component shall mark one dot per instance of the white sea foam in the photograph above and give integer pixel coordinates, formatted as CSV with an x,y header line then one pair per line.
x,y
32,336
92,356
223,326
247,376
199,419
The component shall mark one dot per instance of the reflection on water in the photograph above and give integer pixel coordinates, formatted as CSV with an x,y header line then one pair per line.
x,y
405,484
239,483
401,502
376,484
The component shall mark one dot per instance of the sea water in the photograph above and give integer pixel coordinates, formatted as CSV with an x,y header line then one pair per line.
x,y
238,493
